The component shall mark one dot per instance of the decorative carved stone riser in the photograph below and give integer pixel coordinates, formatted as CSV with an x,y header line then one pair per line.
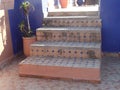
x,y
68,35
63,50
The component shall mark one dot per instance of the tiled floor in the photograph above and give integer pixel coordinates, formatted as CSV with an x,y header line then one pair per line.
x,y
9,79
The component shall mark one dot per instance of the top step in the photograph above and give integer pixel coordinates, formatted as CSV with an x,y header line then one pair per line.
x,y
73,13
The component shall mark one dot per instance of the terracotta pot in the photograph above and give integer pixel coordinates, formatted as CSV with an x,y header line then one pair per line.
x,y
64,3
26,44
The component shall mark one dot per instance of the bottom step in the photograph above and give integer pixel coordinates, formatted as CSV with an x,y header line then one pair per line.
x,y
66,68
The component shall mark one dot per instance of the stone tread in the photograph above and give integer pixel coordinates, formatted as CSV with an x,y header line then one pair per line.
x,y
73,17
73,13
67,44
69,29
63,62
64,11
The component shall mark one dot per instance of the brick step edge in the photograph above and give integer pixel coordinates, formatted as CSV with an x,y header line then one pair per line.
x,y
35,70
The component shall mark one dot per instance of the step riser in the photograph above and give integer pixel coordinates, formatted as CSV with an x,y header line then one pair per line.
x,y
94,13
69,36
86,74
71,22
66,52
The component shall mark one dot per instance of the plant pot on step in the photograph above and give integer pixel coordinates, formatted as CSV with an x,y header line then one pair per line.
x,y
63,3
26,44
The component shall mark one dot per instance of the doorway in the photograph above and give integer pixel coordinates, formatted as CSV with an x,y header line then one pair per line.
x,y
72,5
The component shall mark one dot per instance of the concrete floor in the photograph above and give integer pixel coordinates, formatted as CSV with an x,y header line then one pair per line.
x,y
110,73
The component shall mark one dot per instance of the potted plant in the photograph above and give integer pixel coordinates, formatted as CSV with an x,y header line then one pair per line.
x,y
28,36
63,3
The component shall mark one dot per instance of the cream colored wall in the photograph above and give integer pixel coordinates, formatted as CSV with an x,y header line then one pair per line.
x,y
6,50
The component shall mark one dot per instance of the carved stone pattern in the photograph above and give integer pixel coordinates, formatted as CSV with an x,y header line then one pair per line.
x,y
69,36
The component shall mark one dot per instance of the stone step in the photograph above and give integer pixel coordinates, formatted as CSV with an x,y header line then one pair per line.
x,y
66,49
69,34
73,21
77,69
73,13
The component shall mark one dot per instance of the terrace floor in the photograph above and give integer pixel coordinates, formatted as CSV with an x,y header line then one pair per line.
x,y
75,9
10,80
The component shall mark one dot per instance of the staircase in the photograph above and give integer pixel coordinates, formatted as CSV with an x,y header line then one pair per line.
x,y
68,47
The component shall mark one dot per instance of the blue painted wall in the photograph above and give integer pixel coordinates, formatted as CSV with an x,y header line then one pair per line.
x,y
110,15
16,17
